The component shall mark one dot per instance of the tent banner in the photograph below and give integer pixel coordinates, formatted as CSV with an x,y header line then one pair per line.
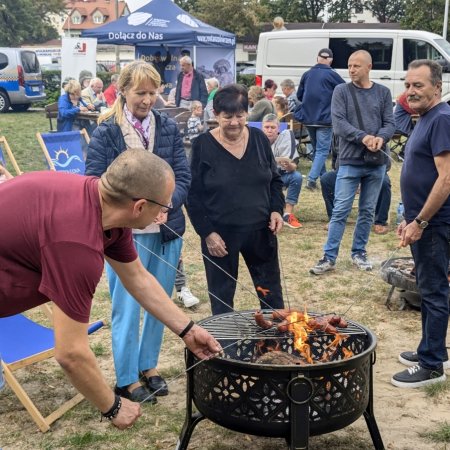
x,y
210,62
161,22
216,62
165,60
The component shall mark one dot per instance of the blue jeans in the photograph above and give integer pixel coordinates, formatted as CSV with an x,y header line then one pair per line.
x,y
384,202
293,182
347,181
431,258
321,142
328,181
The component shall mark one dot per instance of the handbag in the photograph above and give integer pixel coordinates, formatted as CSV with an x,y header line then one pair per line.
x,y
370,158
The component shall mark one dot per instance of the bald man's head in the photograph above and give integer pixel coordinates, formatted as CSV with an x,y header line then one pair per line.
x,y
137,173
359,66
363,54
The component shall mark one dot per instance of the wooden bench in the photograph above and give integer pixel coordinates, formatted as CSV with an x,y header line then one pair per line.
x,y
51,112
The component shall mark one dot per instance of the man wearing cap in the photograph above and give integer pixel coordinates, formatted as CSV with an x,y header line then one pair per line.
x,y
55,237
314,93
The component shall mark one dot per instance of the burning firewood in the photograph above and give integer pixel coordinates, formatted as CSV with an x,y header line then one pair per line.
x,y
280,358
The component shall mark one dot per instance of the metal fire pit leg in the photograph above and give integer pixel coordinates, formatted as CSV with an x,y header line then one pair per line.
x,y
192,419
299,390
368,413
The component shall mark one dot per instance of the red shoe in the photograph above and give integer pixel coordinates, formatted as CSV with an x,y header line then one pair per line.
x,y
291,221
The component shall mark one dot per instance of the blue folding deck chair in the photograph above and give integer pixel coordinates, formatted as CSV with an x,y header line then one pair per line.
x,y
24,342
64,151
7,154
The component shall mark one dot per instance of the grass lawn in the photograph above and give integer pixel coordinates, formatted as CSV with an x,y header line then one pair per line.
x,y
408,419
20,130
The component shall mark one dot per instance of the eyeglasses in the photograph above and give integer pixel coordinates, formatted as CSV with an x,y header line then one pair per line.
x,y
164,208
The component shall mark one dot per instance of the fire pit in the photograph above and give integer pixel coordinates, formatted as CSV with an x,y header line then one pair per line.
x,y
399,273
292,401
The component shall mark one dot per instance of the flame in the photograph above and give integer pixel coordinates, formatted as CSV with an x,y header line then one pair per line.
x,y
298,326
305,330
263,291
347,353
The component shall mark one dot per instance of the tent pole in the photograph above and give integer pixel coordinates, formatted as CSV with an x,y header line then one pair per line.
x,y
116,9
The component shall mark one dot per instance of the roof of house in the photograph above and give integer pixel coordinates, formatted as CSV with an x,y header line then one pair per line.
x,y
88,8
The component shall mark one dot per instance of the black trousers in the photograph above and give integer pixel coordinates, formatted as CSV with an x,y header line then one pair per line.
x,y
260,252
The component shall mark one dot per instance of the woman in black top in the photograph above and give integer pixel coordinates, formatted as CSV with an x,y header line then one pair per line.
x,y
236,203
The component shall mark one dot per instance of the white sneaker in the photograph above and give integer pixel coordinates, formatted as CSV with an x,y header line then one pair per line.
x,y
187,297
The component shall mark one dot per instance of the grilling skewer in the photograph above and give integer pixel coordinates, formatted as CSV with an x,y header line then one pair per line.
x,y
247,319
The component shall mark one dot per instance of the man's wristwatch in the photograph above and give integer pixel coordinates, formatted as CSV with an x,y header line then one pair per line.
x,y
422,223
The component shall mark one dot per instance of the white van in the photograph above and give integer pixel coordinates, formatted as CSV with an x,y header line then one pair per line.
x,y
288,54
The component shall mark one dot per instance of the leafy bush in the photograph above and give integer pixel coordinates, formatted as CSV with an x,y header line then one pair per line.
x,y
52,83
246,80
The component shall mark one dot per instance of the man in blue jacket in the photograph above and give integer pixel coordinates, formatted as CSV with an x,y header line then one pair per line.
x,y
314,93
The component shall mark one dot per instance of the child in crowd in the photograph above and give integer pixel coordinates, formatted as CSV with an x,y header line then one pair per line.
x,y
194,124
281,106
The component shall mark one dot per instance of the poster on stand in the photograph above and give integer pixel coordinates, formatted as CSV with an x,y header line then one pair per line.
x,y
78,54
165,60
216,62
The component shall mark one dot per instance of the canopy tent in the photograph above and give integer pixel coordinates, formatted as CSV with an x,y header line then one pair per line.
x,y
161,22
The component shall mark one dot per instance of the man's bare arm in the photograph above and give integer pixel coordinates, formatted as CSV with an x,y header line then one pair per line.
x,y
76,358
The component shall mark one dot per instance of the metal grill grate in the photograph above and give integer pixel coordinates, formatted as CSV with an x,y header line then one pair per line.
x,y
242,326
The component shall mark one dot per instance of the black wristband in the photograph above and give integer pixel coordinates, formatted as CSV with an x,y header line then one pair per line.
x,y
112,413
186,330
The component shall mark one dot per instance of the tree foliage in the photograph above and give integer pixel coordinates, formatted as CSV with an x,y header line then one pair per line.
x,y
387,10
312,10
242,17
27,21
340,10
425,15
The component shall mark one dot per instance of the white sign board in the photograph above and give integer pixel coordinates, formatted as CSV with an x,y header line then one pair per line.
x,y
78,54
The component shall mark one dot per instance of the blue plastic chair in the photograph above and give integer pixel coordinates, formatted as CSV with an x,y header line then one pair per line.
x,y
24,342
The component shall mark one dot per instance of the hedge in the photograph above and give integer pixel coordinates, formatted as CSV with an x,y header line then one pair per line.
x,y
52,84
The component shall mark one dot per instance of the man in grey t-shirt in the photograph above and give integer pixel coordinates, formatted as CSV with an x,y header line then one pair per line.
x,y
355,140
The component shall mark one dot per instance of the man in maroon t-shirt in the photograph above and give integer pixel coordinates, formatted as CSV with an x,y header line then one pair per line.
x,y
54,237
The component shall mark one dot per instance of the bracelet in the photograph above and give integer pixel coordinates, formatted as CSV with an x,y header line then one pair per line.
x,y
112,413
187,329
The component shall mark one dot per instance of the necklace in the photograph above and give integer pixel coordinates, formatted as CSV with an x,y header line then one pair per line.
x,y
233,144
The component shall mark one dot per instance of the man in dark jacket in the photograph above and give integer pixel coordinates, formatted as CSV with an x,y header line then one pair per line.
x,y
190,85
314,92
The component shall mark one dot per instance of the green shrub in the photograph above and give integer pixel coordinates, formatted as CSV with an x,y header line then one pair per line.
x,y
246,80
52,83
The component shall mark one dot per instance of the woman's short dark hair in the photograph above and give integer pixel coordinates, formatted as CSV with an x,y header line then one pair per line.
x,y
231,99
269,84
